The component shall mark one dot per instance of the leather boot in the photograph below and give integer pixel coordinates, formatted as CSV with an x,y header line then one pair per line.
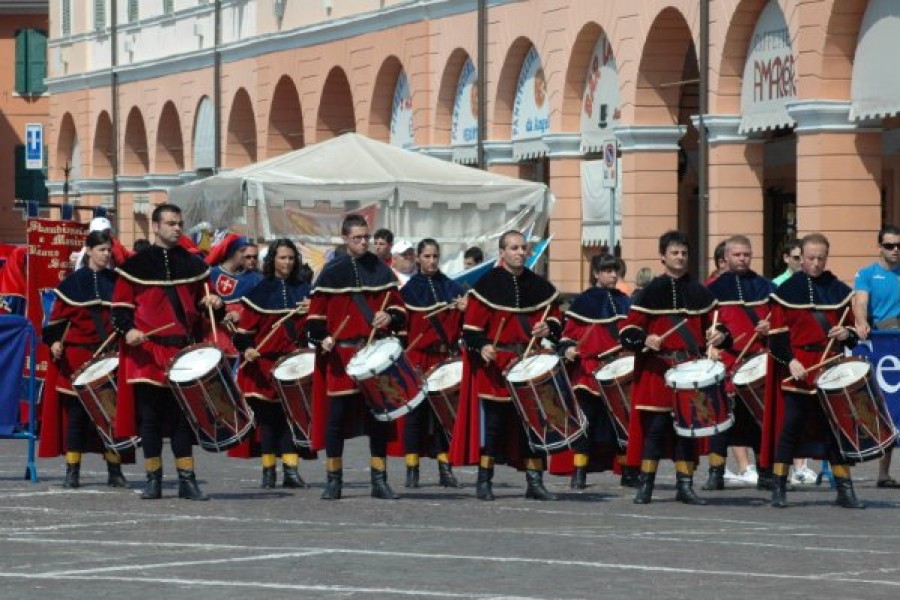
x,y
412,477
334,482
187,486
153,490
447,478
644,493
115,478
579,478
269,477
779,491
766,480
716,480
630,477
684,486
846,497
483,486
73,476
380,487
292,478
535,489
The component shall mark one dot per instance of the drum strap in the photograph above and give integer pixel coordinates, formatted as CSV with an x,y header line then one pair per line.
x,y
751,314
363,307
177,306
439,329
819,316
685,334
291,331
523,321
98,322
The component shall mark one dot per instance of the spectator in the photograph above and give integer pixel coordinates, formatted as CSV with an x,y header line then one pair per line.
x,y
473,256
382,245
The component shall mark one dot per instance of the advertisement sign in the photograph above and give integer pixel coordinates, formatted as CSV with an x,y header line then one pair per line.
x,y
531,110
402,133
600,102
464,126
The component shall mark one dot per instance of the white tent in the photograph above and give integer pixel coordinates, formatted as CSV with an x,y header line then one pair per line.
x,y
304,194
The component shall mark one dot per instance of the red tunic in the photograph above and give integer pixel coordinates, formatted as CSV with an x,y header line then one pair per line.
x,y
255,378
595,339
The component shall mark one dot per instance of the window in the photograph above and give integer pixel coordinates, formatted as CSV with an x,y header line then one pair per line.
x,y
168,7
30,183
66,22
133,14
31,62
99,15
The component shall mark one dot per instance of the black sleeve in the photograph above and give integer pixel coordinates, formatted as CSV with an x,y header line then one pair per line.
x,y
53,332
555,331
316,332
475,340
398,319
728,342
122,319
632,338
780,347
242,341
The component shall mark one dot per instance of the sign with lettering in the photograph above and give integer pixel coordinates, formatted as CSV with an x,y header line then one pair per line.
x,y
882,350
464,127
531,109
600,100
402,132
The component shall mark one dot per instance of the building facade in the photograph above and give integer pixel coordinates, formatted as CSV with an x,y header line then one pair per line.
x,y
598,99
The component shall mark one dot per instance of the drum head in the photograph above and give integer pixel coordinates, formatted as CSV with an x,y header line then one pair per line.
x,y
97,369
445,376
374,358
295,367
843,375
194,364
615,369
529,368
752,370
695,374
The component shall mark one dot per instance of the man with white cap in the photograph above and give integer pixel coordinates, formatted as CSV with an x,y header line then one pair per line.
x,y
119,253
404,261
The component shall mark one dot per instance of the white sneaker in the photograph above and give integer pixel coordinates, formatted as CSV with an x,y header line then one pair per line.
x,y
749,475
730,475
804,476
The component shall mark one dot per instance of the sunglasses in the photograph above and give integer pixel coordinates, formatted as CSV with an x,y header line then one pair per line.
x,y
795,257
251,256
889,246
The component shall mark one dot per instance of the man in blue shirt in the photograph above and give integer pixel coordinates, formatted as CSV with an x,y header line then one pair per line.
x,y
876,305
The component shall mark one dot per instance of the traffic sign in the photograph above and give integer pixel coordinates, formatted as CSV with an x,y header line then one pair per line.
x,y
609,165
34,146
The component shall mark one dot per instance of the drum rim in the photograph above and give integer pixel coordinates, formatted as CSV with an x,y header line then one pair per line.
x,y
295,354
441,365
844,364
712,378
184,352
610,364
92,361
539,375
368,372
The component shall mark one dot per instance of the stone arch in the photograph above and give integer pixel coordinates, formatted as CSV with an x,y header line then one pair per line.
x,y
285,130
102,159
663,63
67,148
335,114
506,87
240,144
839,49
135,155
169,143
383,98
447,95
573,90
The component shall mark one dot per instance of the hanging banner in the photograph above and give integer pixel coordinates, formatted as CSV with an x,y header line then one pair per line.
x,y
531,109
875,87
600,111
464,125
402,134
882,350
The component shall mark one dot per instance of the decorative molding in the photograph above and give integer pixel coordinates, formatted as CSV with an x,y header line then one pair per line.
x,y
818,116
499,153
563,145
649,138
442,152
722,129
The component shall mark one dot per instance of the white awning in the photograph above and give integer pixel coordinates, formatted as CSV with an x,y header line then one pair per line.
x,y
875,88
465,155
528,149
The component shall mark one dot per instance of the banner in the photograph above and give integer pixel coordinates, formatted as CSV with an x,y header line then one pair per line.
x,y
882,350
50,243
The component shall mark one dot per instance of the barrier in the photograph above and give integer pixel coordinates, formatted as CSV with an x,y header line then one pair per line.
x,y
17,337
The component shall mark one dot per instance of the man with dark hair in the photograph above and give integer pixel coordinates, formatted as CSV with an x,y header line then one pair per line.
x,y
473,256
505,310
355,293
790,254
876,305
160,289
250,258
719,261
382,245
672,298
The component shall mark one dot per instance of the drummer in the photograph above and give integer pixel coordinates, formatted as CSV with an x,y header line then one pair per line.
x,y
434,303
263,338
668,300
810,313
590,339
505,310
743,297
79,324
230,281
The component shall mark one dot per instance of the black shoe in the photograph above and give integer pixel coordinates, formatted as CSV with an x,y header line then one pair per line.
x,y
644,493
269,478
684,486
447,478
73,476
630,477
716,480
153,490
292,479
846,497
579,478
115,478
483,486
412,477
187,486
535,489
334,482
766,480
380,487
779,491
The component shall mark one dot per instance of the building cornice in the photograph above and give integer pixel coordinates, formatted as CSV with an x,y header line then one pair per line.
x,y
649,138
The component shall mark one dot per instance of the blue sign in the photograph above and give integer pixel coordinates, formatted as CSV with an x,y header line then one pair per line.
x,y
882,350
34,146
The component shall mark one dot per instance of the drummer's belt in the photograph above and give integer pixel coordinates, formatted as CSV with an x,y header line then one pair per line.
x,y
436,348
170,340
352,342
87,345
517,348
813,348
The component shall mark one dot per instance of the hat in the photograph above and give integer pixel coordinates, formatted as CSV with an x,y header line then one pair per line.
x,y
401,247
227,246
99,224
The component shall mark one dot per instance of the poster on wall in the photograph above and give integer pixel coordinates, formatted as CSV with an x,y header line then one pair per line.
x,y
600,111
531,110
464,123
402,134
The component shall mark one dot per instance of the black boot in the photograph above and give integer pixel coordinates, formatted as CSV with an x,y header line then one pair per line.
x,y
380,487
766,480
630,477
644,493
716,479
684,486
334,482
153,490
115,478
447,478
73,476
412,477
536,489
846,497
292,478
779,491
483,487
187,486
579,478
269,477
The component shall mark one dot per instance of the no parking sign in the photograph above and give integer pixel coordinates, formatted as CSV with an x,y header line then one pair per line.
x,y
609,165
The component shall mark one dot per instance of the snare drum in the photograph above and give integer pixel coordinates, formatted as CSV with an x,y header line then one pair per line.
x,y
293,379
615,379
856,410
204,386
750,385
546,403
95,385
701,405
443,382
389,383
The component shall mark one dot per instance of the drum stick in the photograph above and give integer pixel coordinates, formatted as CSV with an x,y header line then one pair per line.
x,y
105,344
831,341
667,333
534,337
440,310
158,329
212,318
818,365
415,341
383,306
277,324
497,335
338,331
713,327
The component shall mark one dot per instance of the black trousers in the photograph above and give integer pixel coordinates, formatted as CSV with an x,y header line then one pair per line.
x,y
416,428
79,423
600,429
344,416
798,409
658,432
744,432
159,415
499,418
274,433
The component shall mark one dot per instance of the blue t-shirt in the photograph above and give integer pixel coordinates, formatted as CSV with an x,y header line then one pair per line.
x,y
883,287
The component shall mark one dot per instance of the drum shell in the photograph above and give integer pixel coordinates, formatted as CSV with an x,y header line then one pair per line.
x,y
99,398
296,397
752,393
394,389
616,394
701,410
445,401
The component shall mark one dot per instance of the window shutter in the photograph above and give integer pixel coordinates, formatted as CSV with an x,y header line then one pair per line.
x,y
21,61
39,181
66,17
37,61
99,15
133,14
